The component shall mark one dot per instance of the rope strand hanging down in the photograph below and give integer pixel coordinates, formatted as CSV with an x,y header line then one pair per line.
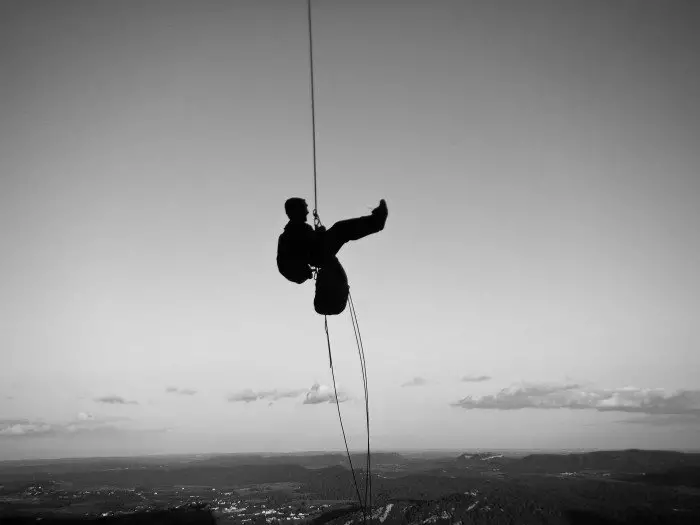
x,y
342,427
317,220
363,365
365,504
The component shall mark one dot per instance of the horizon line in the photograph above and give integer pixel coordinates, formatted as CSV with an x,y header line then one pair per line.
x,y
352,452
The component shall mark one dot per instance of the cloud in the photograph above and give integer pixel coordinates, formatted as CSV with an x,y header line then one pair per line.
x,y
416,381
313,396
23,427
574,396
475,379
323,394
114,400
652,401
83,423
87,423
249,396
89,420
180,391
276,395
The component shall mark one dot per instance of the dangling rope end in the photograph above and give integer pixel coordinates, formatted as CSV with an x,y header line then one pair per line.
x,y
330,355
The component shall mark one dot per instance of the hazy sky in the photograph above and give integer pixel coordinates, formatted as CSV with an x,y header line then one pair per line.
x,y
536,284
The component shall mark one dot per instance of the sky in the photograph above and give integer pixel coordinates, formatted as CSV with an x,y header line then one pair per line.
x,y
535,286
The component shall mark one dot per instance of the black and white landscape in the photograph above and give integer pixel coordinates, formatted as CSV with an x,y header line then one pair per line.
x,y
630,486
528,297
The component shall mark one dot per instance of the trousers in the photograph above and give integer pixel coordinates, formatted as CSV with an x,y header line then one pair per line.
x,y
330,242
332,288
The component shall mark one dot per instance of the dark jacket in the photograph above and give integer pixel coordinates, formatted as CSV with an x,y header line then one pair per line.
x,y
294,251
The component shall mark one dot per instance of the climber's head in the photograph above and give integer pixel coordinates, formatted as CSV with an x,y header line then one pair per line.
x,y
297,209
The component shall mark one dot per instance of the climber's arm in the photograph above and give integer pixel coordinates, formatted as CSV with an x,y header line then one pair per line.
x,y
292,259
295,271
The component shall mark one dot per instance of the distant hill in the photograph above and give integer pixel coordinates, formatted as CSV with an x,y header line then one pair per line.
x,y
309,461
622,461
576,488
319,460
378,458
483,459
194,474
551,503
182,516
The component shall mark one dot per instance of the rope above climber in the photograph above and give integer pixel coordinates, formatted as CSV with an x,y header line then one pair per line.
x,y
301,249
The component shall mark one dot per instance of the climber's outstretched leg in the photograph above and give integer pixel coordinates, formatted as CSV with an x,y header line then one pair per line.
x,y
354,229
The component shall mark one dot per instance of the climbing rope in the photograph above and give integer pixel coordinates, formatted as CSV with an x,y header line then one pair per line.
x,y
342,428
317,220
365,503
363,365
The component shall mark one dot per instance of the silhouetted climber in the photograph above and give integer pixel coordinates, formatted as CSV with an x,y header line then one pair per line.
x,y
300,247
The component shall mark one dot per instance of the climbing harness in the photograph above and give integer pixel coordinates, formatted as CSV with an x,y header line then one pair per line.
x,y
365,503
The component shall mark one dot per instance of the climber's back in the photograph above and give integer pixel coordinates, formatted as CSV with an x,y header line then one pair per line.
x,y
295,244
